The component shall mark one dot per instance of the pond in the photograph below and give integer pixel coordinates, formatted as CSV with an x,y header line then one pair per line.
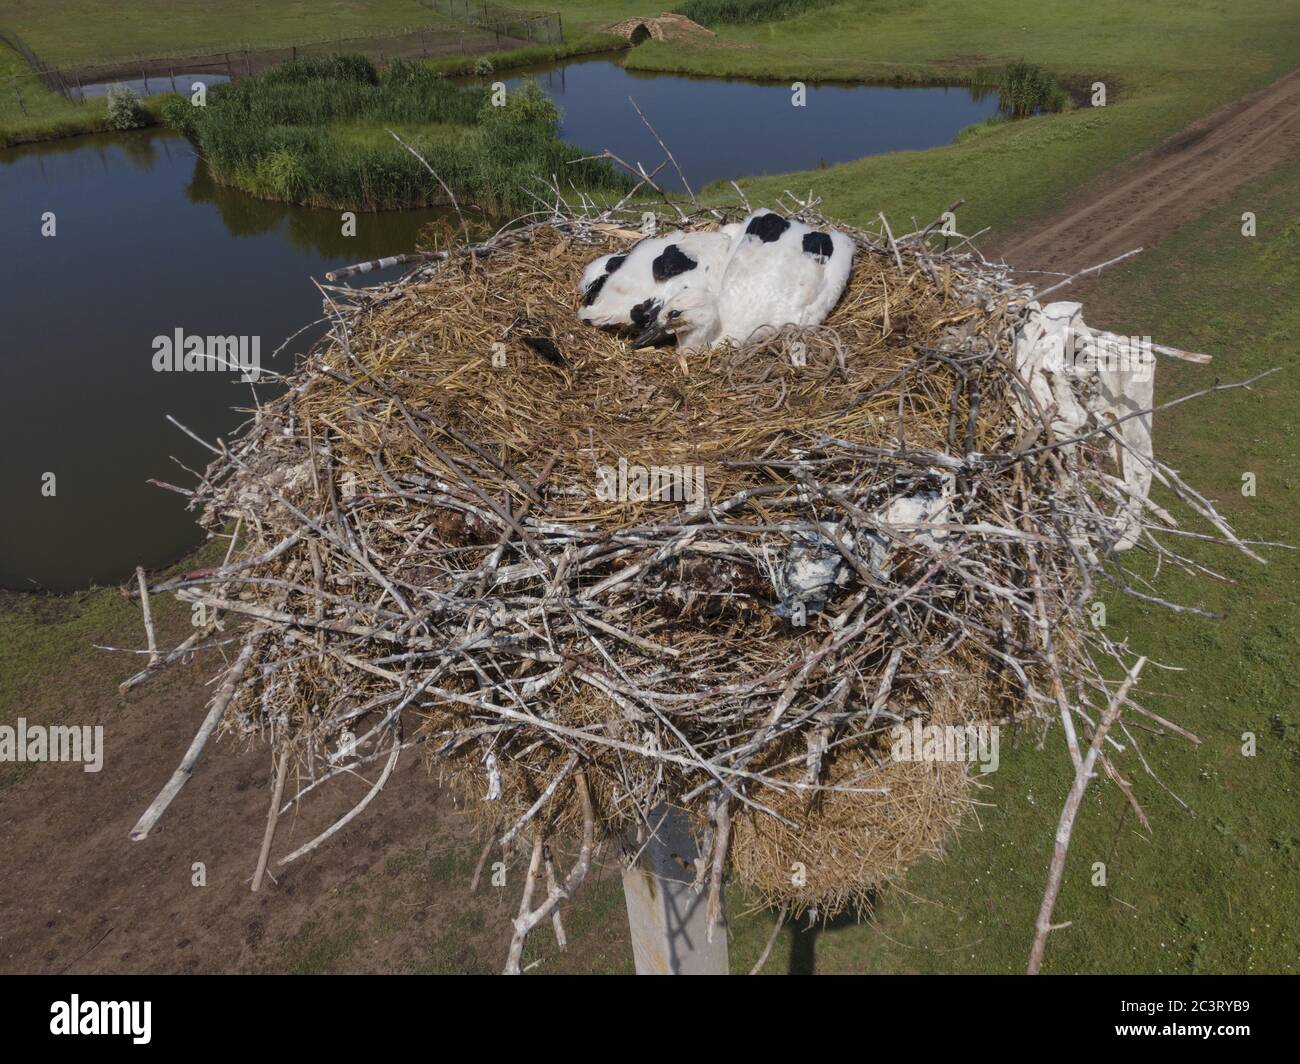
x,y
177,81
145,244
720,128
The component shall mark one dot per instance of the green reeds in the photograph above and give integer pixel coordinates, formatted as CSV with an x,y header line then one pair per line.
x,y
1027,89
297,133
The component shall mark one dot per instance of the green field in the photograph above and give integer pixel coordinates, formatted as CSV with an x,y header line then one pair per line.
x,y
1162,70
71,32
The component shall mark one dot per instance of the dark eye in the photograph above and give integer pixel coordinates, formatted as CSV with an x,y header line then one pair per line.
x,y
674,314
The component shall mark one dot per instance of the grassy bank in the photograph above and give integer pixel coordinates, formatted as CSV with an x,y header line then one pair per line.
x,y
575,44
72,32
31,112
1163,68
312,132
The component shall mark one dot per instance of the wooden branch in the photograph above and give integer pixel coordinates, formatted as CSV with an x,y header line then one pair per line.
x,y
182,774
272,817
1065,825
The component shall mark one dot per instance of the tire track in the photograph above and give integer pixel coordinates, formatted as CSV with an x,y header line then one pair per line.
x,y
1192,172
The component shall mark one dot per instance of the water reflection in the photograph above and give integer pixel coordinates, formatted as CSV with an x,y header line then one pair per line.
x,y
145,243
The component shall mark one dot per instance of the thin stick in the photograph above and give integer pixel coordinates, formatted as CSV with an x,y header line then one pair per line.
x,y
148,616
1091,269
352,813
272,816
771,939
686,184
182,774
1066,824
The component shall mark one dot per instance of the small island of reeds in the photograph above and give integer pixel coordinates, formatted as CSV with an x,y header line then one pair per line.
x,y
317,132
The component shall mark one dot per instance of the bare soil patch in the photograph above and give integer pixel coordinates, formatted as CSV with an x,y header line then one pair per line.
x,y
1193,172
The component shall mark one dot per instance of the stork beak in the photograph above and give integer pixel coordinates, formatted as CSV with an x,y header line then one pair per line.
x,y
650,335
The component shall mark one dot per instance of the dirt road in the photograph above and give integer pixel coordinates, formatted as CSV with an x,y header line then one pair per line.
x,y
390,893
1145,200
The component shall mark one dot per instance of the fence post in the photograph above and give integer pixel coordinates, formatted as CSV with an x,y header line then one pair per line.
x,y
667,918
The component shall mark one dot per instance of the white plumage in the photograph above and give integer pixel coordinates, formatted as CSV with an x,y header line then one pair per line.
x,y
779,272
629,289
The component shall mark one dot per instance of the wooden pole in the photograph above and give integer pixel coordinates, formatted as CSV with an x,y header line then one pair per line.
x,y
667,918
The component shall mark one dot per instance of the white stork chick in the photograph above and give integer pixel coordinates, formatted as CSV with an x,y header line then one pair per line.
x,y
780,272
628,290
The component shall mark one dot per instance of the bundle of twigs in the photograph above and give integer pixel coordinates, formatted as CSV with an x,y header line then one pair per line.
x,y
433,543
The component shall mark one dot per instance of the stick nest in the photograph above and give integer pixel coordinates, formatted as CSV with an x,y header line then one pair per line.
x,y
427,555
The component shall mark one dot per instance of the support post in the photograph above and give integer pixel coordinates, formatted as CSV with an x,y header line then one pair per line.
x,y
667,918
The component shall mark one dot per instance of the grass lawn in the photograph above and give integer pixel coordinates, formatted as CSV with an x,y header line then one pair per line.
x,y
70,32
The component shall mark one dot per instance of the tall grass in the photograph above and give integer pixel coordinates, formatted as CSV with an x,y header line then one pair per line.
x,y
740,12
290,134
1028,89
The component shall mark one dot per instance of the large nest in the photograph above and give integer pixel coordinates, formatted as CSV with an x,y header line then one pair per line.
x,y
440,538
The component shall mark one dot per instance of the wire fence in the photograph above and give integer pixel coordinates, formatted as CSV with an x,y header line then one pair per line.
x,y
536,27
478,27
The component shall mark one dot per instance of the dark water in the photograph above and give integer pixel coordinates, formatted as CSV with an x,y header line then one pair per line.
x,y
720,128
145,244
151,86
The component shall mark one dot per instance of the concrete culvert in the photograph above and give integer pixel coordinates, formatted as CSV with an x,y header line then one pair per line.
x,y
666,27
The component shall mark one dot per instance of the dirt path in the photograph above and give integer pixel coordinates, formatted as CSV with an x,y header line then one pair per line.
x,y
388,894
1196,170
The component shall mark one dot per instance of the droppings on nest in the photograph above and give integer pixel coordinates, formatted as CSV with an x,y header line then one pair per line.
x,y
559,576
